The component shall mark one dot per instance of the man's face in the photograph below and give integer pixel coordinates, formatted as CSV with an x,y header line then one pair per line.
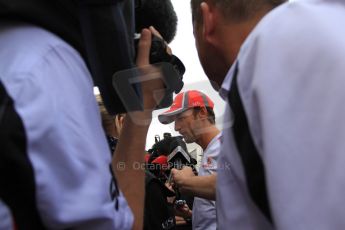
x,y
201,45
187,124
209,58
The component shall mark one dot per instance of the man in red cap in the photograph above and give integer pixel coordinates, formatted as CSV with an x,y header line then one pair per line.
x,y
192,112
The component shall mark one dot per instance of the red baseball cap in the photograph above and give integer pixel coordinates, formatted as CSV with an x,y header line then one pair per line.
x,y
184,101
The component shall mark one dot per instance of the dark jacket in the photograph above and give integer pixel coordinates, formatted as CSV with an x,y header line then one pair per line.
x,y
158,213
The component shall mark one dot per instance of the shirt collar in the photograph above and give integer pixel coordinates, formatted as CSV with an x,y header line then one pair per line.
x,y
214,139
224,90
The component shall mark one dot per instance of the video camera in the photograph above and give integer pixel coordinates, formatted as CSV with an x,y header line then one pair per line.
x,y
121,73
102,31
158,53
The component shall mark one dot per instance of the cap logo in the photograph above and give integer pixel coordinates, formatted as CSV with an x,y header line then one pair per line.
x,y
196,103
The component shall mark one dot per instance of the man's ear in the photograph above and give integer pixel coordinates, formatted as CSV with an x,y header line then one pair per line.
x,y
208,17
203,112
121,118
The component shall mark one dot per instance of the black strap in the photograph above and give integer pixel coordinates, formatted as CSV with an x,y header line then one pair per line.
x,y
17,177
114,188
4,102
251,160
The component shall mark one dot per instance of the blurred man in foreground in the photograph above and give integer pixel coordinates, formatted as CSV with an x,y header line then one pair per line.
x,y
272,65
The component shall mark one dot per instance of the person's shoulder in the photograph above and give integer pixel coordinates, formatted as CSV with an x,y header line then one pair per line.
x,y
213,149
24,45
216,141
299,19
269,26
293,28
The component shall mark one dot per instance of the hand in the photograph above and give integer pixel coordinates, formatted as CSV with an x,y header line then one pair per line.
x,y
180,177
151,77
180,220
170,199
169,186
157,34
183,211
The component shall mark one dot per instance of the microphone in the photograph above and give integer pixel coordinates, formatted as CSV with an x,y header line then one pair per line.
x,y
179,155
157,13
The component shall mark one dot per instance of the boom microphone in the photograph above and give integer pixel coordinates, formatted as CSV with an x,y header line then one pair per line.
x,y
157,13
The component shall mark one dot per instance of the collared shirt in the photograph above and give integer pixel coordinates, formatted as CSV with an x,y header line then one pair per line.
x,y
204,211
52,91
291,81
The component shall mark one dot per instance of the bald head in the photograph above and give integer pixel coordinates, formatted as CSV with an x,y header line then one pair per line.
x,y
236,10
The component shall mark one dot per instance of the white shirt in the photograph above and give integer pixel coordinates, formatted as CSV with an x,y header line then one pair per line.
x,y
292,84
53,94
204,211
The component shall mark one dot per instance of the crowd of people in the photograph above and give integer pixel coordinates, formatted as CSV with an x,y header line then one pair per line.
x,y
277,163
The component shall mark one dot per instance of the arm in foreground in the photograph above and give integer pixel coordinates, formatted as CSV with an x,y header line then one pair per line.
x,y
131,146
200,186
